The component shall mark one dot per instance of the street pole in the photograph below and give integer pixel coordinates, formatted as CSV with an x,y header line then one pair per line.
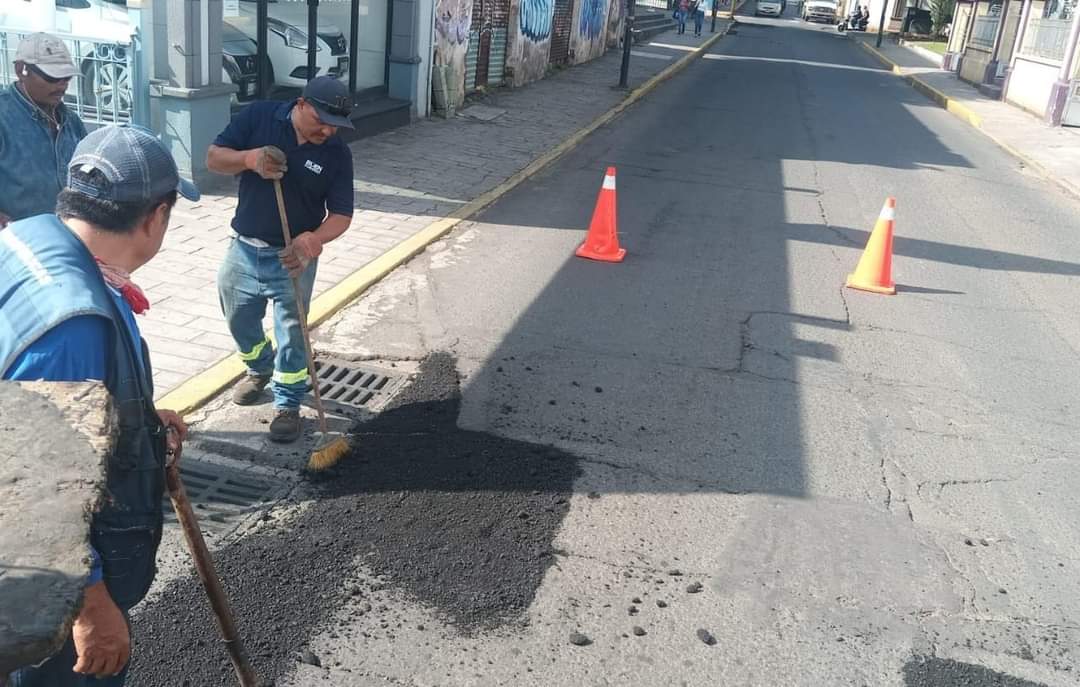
x,y
628,40
262,85
313,36
881,24
713,28
354,40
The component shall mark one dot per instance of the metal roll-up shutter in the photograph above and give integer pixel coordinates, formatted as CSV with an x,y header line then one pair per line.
x,y
560,33
497,59
470,61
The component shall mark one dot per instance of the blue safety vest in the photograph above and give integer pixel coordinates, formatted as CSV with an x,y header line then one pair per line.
x,y
47,276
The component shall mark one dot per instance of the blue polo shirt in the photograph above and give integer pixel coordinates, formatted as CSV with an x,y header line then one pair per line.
x,y
319,179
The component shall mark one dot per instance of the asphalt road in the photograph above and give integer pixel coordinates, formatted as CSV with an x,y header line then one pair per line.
x,y
716,441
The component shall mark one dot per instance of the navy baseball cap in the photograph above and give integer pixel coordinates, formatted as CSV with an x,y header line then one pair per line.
x,y
331,100
137,166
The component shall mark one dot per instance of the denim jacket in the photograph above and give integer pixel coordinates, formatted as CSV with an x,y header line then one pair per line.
x,y
33,166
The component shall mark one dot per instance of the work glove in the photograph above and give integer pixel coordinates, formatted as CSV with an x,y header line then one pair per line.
x,y
268,162
304,248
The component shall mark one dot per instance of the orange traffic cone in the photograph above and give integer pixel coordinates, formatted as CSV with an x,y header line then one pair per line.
x,y
602,242
874,272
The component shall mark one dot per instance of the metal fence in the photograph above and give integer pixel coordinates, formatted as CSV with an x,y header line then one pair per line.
x,y
1046,38
103,91
984,31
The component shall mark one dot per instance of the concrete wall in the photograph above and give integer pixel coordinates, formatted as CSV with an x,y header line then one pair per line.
x,y
974,65
1030,85
1012,27
961,22
452,21
615,27
588,33
529,41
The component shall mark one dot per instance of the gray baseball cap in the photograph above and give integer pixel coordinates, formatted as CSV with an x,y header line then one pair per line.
x,y
135,163
48,53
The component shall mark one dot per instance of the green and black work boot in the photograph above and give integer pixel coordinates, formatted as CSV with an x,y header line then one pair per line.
x,y
249,390
285,427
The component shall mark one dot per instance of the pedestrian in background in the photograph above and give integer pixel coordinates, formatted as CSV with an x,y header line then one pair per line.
x,y
67,314
699,16
38,133
681,15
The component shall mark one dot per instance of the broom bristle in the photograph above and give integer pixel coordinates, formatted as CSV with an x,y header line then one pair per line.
x,y
326,457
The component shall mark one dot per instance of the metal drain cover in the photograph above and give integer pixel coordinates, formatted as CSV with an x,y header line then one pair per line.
x,y
221,497
354,386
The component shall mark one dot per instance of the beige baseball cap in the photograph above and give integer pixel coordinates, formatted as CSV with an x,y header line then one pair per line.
x,y
48,53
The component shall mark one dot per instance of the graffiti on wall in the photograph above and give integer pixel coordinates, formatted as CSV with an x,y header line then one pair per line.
x,y
452,21
591,22
530,41
614,22
535,19
588,40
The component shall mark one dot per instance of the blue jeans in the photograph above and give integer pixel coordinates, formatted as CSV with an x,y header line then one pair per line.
x,y
699,19
680,18
57,672
249,278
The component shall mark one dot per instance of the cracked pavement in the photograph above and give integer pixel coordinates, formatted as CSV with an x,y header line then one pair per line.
x,y
869,490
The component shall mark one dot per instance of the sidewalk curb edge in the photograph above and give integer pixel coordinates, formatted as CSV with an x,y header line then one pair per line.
x,y
972,119
200,388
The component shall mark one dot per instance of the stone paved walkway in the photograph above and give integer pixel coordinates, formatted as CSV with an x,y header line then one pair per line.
x,y
1055,150
405,180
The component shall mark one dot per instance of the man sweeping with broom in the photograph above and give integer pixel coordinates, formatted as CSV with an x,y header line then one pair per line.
x,y
291,164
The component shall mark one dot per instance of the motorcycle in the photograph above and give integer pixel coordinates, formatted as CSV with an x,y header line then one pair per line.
x,y
853,24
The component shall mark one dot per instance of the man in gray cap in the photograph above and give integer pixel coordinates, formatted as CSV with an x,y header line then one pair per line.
x,y
67,313
294,142
37,132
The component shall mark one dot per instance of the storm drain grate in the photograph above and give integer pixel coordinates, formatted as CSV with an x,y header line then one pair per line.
x,y
350,385
222,495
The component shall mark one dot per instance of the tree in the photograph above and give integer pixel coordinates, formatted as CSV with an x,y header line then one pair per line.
x,y
941,13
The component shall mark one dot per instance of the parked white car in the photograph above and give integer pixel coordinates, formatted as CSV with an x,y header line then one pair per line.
x,y
769,8
820,10
287,42
105,81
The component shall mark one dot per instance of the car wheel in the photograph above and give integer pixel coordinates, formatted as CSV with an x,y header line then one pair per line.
x,y
106,83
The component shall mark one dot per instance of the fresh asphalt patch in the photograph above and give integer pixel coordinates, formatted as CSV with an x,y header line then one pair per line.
x,y
459,521
942,672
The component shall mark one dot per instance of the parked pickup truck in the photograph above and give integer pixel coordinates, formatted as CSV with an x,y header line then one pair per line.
x,y
819,10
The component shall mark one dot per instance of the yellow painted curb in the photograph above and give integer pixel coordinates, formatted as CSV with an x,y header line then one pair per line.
x,y
973,119
200,388
949,104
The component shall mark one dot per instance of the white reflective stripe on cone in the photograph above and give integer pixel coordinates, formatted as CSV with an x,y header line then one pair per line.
x,y
888,214
609,183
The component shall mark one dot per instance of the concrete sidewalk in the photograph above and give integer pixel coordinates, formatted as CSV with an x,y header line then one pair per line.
x,y
405,180
1052,151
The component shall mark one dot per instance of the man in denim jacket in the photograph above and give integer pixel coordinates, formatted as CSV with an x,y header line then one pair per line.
x,y
38,133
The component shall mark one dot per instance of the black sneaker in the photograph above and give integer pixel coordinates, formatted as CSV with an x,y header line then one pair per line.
x,y
285,427
249,390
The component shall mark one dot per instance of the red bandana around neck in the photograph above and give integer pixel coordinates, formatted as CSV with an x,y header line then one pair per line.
x,y
121,281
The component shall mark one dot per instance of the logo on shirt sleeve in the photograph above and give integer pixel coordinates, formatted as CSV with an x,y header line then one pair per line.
x,y
313,167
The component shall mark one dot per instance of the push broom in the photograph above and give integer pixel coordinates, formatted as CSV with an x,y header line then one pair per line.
x,y
330,449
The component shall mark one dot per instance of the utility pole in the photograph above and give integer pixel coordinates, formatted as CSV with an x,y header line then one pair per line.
x,y
713,28
628,40
313,36
262,84
881,24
